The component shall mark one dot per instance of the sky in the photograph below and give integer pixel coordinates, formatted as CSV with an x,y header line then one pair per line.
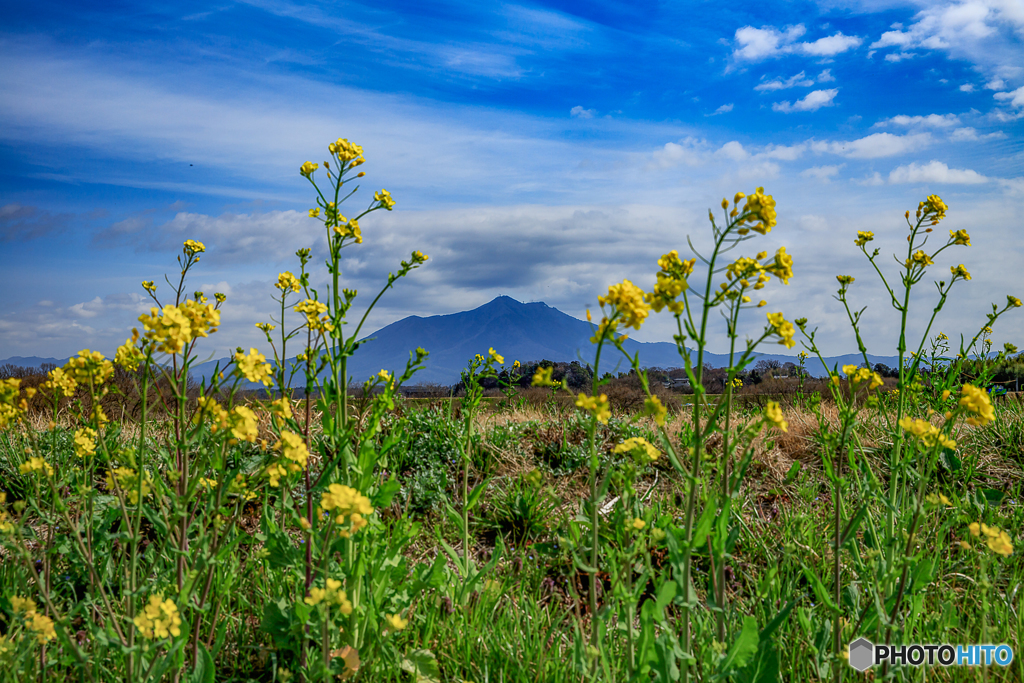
x,y
538,150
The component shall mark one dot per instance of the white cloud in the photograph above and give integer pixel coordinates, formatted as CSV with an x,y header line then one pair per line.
x,y
996,84
878,145
899,56
826,76
967,87
687,152
872,180
799,80
935,172
724,109
968,134
1014,97
734,151
930,121
832,45
822,173
759,43
581,113
768,41
816,99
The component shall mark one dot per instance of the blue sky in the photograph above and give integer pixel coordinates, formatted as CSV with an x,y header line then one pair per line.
x,y
543,151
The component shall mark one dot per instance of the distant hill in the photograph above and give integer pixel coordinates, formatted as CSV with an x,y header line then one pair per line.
x,y
32,361
518,331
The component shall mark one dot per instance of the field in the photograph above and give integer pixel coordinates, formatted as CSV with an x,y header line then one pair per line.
x,y
156,529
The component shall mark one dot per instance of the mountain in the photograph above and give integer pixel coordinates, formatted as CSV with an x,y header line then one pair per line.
x,y
518,331
32,361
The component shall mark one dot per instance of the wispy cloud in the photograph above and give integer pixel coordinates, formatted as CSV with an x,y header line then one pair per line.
x,y
813,101
935,172
754,44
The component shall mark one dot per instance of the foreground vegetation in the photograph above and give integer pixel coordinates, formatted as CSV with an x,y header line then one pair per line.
x,y
200,536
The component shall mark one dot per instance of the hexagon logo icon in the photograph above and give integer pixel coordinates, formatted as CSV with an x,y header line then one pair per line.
x,y
862,654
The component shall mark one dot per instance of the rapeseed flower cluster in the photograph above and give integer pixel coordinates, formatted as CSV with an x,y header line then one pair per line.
x,y
313,310
845,280
671,282
976,402
858,376
346,151
159,619
543,378
597,406
345,501
288,282
997,540
345,227
919,259
127,480
760,208
89,366
5,523
40,624
241,421
294,453
773,416
129,355
863,237
85,442
960,271
1012,301
331,595
642,450
933,207
783,328
12,406
960,237
253,367
628,300
656,409
927,434
384,199
60,382
175,326
396,622
35,464
192,247
495,357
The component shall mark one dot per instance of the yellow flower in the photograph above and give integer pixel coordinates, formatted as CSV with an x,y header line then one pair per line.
x,y
419,257
960,271
345,150
350,228
642,450
253,367
1000,544
85,442
515,364
597,406
495,356
863,237
654,407
919,258
193,247
542,378
782,268
149,286
628,300
12,406
314,212
243,424
159,619
175,326
396,622
266,327
960,237
36,464
332,595
845,280
307,168
274,473
129,355
23,604
977,402
773,416
1012,301
312,310
286,281
934,207
293,448
384,376
41,625
89,367
760,207
927,434
126,480
347,502
384,198
783,328
638,524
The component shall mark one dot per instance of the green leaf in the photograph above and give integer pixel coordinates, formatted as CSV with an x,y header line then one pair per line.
x,y
993,496
819,588
205,671
474,495
743,648
386,493
700,533
422,665
666,594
